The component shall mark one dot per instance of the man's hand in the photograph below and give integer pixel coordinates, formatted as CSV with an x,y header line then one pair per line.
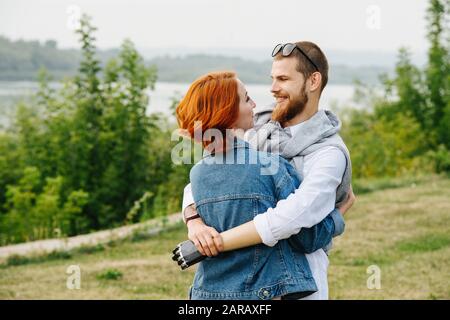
x,y
350,200
207,240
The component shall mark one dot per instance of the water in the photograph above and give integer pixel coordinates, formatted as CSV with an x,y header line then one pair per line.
x,y
160,98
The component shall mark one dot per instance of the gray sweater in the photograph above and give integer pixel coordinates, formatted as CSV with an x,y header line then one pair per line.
x,y
321,130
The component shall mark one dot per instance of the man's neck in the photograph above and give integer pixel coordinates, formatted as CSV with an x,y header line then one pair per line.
x,y
306,114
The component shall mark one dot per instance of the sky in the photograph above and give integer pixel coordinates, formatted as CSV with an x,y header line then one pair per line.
x,y
360,25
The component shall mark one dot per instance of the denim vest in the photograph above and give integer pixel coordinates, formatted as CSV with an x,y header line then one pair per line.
x,y
230,189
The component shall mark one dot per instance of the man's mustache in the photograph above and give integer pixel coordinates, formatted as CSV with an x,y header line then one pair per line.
x,y
280,96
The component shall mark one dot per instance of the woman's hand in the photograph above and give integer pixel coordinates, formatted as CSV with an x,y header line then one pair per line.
x,y
207,240
350,200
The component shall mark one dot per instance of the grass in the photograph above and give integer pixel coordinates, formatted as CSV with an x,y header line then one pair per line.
x,y
426,243
364,186
404,231
17,260
110,274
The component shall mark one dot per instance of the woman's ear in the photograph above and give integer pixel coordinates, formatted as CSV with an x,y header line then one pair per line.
x,y
183,133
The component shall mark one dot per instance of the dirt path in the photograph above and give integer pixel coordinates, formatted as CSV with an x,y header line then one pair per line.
x,y
91,239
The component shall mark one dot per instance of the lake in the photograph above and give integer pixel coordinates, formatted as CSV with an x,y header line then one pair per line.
x,y
160,98
332,95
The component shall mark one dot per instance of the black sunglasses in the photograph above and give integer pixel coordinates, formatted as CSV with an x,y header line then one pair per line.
x,y
286,50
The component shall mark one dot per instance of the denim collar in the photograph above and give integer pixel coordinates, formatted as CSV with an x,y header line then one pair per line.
x,y
238,143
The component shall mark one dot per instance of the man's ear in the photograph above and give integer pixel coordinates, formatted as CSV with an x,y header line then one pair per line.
x,y
315,81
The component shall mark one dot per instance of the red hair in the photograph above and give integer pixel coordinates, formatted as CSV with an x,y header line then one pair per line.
x,y
213,100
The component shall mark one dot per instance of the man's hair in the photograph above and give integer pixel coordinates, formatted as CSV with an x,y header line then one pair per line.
x,y
304,66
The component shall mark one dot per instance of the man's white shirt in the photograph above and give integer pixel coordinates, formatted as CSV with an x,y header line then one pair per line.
x,y
322,173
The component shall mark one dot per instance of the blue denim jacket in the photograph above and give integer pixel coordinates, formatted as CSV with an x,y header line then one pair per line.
x,y
229,190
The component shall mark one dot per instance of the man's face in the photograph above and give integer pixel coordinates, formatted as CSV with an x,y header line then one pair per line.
x,y
288,88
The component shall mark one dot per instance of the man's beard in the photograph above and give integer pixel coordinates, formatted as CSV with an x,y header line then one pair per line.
x,y
284,113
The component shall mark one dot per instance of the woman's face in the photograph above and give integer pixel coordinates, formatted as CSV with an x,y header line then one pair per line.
x,y
246,105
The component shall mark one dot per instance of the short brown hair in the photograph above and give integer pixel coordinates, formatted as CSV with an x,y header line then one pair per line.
x,y
304,66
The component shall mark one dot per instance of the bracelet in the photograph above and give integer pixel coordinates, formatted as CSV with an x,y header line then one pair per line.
x,y
195,216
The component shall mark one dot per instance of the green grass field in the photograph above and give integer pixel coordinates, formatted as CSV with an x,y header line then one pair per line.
x,y
404,231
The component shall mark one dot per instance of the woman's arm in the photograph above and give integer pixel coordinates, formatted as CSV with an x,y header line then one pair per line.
x,y
307,240
209,242
246,235
241,236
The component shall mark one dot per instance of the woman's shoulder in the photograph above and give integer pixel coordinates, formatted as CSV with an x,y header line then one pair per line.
x,y
196,170
274,165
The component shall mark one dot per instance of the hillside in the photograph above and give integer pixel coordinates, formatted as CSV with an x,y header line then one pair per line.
x,y
404,231
21,60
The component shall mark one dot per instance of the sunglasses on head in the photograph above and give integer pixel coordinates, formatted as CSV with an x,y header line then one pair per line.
x,y
286,50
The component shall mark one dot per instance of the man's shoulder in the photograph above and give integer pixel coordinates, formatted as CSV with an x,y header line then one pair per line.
x,y
329,153
333,144
326,149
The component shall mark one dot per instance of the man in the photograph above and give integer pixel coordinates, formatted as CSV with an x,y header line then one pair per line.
x,y
312,144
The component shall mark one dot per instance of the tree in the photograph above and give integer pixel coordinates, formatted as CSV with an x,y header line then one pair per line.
x,y
126,133
438,69
38,213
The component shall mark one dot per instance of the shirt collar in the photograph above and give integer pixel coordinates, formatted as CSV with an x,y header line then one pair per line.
x,y
237,144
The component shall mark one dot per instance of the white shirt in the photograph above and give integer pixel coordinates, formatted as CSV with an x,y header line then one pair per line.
x,y
322,173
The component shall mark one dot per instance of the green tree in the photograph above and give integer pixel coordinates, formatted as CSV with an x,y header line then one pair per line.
x,y
438,68
406,91
384,145
126,133
37,213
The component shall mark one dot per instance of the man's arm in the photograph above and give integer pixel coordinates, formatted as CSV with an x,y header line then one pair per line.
x,y
310,203
319,236
209,242
321,182
188,206
246,235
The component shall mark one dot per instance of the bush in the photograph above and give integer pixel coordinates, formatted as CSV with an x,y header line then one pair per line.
x,y
384,147
441,159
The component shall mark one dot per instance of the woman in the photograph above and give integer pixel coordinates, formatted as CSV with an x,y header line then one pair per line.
x,y
229,189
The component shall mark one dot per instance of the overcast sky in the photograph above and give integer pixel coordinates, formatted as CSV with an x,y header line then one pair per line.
x,y
344,25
